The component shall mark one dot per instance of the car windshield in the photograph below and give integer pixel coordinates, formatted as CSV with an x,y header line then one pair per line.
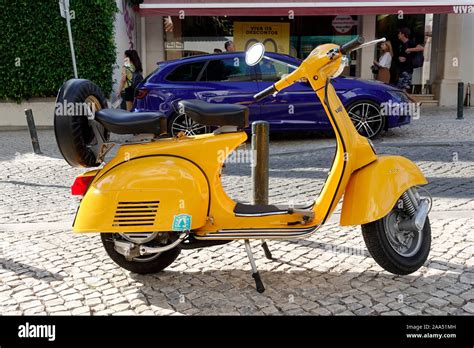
x,y
273,70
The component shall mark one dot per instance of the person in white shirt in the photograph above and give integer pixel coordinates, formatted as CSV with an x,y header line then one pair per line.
x,y
384,62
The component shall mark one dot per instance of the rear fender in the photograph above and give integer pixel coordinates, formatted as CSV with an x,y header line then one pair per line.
x,y
373,190
145,194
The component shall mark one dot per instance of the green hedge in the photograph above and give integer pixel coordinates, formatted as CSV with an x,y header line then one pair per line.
x,y
34,36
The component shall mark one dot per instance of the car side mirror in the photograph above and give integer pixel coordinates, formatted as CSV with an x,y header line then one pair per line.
x,y
254,54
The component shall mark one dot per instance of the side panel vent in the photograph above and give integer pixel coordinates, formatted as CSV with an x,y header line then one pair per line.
x,y
135,214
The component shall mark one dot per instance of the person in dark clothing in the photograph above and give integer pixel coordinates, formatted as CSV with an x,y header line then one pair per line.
x,y
405,66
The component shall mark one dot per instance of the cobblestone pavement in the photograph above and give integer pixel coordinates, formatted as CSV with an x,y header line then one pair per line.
x,y
45,269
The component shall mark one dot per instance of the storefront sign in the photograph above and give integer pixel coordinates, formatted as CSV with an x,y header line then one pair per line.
x,y
343,24
275,36
174,46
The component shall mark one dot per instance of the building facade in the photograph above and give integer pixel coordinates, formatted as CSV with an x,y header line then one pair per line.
x,y
168,30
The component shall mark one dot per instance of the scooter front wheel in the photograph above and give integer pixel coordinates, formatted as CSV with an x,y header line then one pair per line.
x,y
141,264
397,251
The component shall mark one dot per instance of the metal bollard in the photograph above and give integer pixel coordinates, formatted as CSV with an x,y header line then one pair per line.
x,y
460,101
260,153
32,128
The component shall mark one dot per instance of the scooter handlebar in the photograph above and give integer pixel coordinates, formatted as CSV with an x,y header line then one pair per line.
x,y
344,49
351,45
266,92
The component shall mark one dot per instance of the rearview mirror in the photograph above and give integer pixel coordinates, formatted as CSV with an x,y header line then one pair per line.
x,y
254,54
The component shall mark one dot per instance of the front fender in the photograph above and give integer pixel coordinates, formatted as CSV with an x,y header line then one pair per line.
x,y
373,190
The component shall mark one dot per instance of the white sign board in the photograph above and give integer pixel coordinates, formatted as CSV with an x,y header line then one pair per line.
x,y
63,7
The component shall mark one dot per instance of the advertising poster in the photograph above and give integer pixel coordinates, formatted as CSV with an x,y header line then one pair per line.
x,y
275,36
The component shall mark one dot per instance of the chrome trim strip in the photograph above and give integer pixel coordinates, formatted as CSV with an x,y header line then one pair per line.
x,y
260,233
265,214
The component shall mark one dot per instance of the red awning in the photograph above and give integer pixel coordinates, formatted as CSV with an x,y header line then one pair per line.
x,y
300,7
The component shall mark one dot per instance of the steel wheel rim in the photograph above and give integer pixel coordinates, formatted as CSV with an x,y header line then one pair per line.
x,y
404,243
367,119
94,102
184,123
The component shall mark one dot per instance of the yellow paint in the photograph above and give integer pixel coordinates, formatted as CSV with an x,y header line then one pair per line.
x,y
188,169
375,189
90,173
275,36
174,185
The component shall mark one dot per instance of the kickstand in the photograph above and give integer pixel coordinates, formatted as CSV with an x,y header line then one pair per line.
x,y
255,275
267,252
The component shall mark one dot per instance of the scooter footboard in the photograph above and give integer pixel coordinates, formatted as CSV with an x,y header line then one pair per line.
x,y
373,190
145,194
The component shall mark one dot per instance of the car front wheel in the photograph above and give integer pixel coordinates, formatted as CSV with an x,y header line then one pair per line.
x,y
367,118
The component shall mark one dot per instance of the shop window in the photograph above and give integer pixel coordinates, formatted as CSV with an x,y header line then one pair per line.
x,y
230,69
186,73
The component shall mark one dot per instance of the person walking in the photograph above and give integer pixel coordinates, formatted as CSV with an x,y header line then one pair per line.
x,y
131,77
385,62
405,64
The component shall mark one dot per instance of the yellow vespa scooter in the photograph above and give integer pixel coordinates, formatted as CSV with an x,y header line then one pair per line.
x,y
159,194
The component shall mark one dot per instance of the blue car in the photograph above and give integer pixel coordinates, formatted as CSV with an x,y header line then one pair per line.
x,y
226,78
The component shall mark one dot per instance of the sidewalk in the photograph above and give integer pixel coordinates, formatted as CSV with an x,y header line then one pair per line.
x,y
46,269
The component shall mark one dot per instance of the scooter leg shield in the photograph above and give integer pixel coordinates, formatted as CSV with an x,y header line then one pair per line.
x,y
373,190
145,194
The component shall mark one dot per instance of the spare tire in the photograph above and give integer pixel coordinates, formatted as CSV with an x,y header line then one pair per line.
x,y
76,101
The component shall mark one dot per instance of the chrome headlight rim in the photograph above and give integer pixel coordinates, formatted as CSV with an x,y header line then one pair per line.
x,y
344,61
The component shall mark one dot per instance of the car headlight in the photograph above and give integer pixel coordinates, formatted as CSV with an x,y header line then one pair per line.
x,y
343,64
399,96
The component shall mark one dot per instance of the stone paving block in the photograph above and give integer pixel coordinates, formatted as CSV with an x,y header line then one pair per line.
x,y
54,309
364,311
469,307
380,308
84,310
73,304
61,313
437,302
467,278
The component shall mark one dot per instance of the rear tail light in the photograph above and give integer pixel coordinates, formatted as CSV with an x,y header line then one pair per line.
x,y
81,184
141,93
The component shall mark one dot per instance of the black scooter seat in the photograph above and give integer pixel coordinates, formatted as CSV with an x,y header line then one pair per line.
x,y
209,114
125,122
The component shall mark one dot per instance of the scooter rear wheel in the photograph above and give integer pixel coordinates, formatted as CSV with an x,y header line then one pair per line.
x,y
140,265
383,247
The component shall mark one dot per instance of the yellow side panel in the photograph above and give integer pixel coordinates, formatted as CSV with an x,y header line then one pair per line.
x,y
374,189
144,195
